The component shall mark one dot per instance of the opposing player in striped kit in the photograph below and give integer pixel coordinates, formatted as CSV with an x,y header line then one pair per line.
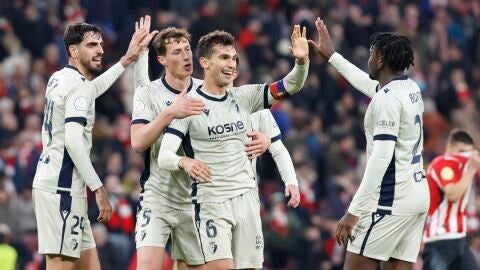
x,y
385,220
64,168
450,178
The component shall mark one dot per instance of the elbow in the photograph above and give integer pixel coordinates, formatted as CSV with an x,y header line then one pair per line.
x,y
138,147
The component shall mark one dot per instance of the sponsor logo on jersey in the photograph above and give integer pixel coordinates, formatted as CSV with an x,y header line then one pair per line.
x,y
386,124
206,111
138,107
415,97
52,83
227,129
258,242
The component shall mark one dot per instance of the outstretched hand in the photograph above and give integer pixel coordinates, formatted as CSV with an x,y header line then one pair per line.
x,y
324,46
299,47
139,42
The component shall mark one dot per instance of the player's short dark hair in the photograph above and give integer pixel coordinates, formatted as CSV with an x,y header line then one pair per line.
x,y
395,49
167,36
460,136
75,33
208,41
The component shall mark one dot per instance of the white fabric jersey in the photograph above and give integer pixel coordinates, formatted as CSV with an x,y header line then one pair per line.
x,y
217,137
172,188
395,113
264,122
67,99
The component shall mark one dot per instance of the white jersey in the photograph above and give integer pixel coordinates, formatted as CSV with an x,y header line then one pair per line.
x,y
66,100
395,113
264,122
171,188
217,137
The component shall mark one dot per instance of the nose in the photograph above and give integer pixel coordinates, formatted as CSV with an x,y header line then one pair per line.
x,y
100,49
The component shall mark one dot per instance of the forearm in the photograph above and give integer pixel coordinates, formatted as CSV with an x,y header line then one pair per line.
x,y
291,83
453,192
76,149
145,135
284,163
104,81
355,76
140,70
167,157
377,165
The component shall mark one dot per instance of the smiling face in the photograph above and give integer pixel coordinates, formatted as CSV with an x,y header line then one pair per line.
x,y
221,65
177,58
89,52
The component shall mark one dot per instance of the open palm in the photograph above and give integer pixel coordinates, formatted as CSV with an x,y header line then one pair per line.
x,y
299,47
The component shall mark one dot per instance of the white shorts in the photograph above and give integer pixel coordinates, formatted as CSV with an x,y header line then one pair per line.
x,y
381,237
62,223
232,229
156,222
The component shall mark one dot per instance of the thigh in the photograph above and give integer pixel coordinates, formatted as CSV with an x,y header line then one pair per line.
x,y
354,261
185,242
247,245
88,260
153,227
150,258
214,225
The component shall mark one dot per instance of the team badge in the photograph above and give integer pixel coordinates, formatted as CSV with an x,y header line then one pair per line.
x,y
74,244
447,174
212,247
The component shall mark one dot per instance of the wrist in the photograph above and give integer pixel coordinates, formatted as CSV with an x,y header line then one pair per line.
x,y
302,61
125,61
180,164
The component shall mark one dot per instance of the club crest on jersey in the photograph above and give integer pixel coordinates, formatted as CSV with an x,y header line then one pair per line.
x,y
168,103
447,174
212,247
206,111
74,244
234,103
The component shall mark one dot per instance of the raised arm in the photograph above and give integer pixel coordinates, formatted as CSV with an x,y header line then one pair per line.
x,y
139,42
355,76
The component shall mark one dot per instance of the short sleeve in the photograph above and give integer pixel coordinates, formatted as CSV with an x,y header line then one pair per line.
x,y
387,119
142,106
78,102
179,127
446,172
268,125
253,96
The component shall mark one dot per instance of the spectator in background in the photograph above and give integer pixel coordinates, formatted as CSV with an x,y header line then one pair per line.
x,y
8,255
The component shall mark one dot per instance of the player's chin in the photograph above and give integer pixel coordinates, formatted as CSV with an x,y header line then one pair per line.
x,y
96,67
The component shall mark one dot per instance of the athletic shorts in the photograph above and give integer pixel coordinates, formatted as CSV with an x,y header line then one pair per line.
x,y
232,230
156,222
381,237
62,223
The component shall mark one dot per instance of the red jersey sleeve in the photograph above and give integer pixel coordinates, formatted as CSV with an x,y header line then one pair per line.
x,y
445,170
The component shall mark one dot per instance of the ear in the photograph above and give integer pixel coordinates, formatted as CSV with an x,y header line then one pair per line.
x,y
380,62
203,62
161,60
73,51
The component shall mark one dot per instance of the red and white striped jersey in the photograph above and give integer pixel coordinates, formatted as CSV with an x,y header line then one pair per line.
x,y
446,220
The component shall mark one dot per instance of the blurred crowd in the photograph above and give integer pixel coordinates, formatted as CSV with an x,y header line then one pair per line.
x,y
322,127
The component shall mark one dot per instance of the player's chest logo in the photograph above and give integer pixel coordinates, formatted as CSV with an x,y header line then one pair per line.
x,y
168,102
206,111
234,105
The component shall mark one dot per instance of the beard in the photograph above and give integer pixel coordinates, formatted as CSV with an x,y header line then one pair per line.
x,y
91,67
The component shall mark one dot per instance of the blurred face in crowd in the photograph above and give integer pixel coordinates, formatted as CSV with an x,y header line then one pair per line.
x,y
178,58
221,65
459,147
89,52
374,64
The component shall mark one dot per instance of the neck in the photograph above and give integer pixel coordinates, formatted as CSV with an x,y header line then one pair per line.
x,y
388,76
80,68
211,87
176,82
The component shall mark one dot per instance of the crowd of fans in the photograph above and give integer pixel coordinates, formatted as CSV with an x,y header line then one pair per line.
x,y
321,127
